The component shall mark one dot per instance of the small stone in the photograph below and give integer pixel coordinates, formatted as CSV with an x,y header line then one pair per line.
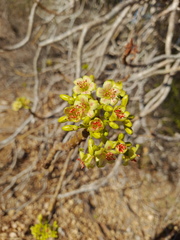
x,y
46,205
4,236
12,235
14,225
3,102
4,228
150,217
11,212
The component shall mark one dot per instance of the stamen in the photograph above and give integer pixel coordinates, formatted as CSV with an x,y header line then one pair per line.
x,y
121,147
119,113
83,84
110,93
110,156
96,125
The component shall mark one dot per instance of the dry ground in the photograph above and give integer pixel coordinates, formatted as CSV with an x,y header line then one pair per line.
x,y
136,202
139,201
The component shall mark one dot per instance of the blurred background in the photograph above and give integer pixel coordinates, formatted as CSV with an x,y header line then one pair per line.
x,y
44,46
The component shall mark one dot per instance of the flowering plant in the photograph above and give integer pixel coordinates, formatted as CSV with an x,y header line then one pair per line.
x,y
98,115
43,230
21,102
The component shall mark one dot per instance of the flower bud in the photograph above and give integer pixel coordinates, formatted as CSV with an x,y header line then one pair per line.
x,y
120,136
70,128
107,108
63,119
124,100
128,130
81,153
86,120
106,115
131,116
113,125
106,134
128,123
90,146
122,93
92,77
96,135
113,117
65,97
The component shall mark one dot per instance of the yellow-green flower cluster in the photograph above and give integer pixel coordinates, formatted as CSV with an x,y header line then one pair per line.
x,y
99,110
43,230
21,102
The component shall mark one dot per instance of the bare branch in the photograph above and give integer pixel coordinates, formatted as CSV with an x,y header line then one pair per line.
x,y
29,29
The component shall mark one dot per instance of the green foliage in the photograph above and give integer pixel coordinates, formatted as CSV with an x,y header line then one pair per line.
x,y
98,115
43,231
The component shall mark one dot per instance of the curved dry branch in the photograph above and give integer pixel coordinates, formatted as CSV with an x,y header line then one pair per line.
x,y
108,38
29,29
58,188
118,8
80,136
96,185
70,36
18,130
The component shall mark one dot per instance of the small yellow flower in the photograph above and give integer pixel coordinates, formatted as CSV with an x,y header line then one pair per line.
x,y
84,85
96,125
88,105
109,93
121,148
21,102
16,105
74,113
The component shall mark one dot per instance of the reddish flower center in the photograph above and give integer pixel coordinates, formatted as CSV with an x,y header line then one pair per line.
x,y
75,112
83,84
119,113
121,147
96,124
110,93
110,156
